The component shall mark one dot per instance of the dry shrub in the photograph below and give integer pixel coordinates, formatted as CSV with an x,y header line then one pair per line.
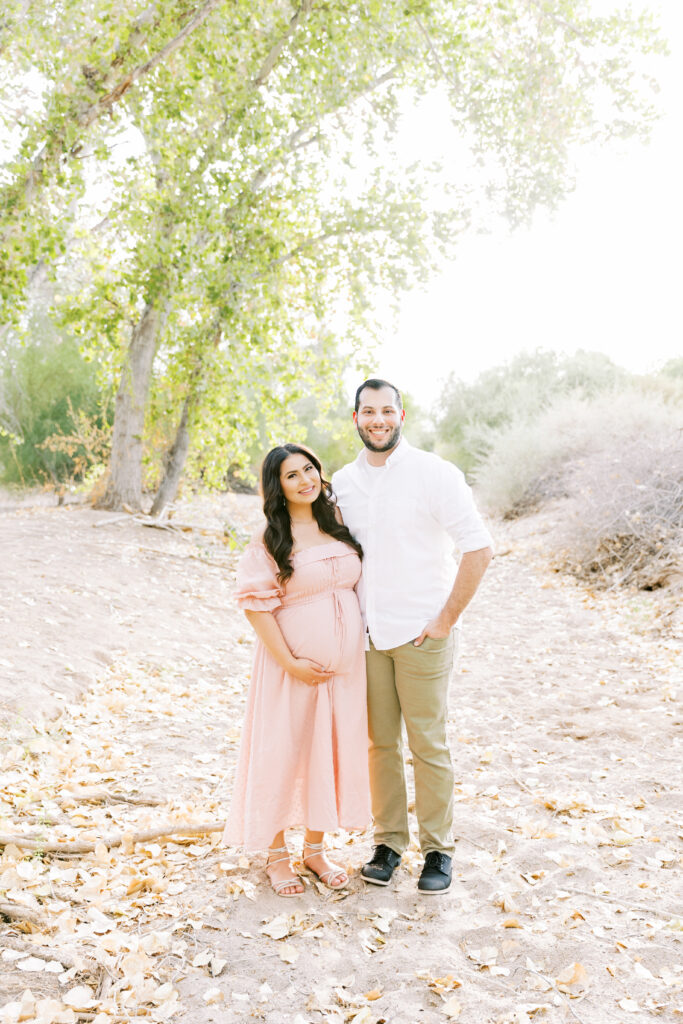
x,y
532,461
617,461
87,446
624,523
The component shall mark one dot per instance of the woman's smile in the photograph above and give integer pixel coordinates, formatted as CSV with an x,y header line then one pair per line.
x,y
300,480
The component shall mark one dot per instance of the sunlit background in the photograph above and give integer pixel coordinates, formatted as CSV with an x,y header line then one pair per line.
x,y
602,273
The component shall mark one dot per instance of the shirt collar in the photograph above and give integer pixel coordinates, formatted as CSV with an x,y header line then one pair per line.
x,y
359,468
399,453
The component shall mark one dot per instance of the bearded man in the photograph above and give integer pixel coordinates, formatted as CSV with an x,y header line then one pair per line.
x,y
409,509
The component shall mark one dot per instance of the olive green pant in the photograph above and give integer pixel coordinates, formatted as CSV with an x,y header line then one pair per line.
x,y
411,683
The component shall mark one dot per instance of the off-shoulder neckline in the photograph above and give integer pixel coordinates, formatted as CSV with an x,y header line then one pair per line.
x,y
321,547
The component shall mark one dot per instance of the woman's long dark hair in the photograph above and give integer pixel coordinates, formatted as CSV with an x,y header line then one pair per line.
x,y
278,533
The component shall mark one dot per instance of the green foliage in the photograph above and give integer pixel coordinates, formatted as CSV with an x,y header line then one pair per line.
x,y
331,433
231,165
673,369
46,387
470,416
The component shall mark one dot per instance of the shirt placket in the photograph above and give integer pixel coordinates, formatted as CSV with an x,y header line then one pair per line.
x,y
375,535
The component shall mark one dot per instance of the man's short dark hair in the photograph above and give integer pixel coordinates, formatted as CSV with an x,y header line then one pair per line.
x,y
376,384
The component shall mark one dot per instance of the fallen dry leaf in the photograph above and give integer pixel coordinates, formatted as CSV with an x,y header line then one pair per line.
x,y
213,996
573,974
363,1016
630,1005
216,966
31,963
452,1008
448,983
289,953
276,928
79,998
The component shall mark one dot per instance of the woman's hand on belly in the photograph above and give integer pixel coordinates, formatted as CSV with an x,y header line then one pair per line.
x,y
309,672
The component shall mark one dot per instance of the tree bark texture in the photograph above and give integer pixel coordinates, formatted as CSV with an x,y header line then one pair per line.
x,y
124,484
174,462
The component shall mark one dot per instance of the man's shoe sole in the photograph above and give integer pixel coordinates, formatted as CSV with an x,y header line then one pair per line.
x,y
433,892
374,881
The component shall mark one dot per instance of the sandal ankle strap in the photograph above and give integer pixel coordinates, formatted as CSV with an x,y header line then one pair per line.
x,y
277,860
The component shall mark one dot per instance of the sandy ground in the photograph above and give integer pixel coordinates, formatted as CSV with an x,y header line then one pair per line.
x,y
565,727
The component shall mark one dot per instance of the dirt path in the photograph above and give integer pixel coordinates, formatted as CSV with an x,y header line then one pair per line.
x,y
566,902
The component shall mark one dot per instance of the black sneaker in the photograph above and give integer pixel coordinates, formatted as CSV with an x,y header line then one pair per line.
x,y
436,874
381,867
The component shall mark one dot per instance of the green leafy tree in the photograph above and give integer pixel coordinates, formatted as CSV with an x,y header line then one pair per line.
x,y
673,368
470,416
44,384
258,211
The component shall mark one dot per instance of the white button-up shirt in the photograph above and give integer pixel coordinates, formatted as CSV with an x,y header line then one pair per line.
x,y
409,515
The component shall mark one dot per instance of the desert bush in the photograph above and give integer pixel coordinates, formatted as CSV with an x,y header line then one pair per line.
x,y
624,522
532,461
87,446
470,416
617,460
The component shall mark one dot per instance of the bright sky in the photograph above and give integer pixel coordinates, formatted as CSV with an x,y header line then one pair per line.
x,y
603,273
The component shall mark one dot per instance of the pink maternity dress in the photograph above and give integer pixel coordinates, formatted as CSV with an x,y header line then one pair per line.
x,y
304,751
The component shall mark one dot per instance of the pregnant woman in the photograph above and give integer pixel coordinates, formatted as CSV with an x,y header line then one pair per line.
x,y
304,753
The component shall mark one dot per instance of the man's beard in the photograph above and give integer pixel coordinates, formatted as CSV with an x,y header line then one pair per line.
x,y
392,439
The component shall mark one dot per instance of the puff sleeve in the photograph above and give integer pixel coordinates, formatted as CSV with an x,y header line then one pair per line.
x,y
257,587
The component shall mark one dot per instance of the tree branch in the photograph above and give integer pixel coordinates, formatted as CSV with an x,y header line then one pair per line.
x,y
86,116
309,243
66,957
43,846
18,913
272,58
115,94
434,52
557,19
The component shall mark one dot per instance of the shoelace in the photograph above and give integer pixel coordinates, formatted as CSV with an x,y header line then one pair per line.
x,y
436,860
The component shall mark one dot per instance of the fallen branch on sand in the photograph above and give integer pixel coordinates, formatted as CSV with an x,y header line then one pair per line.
x,y
18,913
628,904
161,523
45,846
99,795
68,958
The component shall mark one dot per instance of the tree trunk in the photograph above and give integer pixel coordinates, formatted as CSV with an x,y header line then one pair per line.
x,y
124,483
174,462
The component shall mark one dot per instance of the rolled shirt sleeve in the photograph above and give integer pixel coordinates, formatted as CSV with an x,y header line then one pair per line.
x,y
454,508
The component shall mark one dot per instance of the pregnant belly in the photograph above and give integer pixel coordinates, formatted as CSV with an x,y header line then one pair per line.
x,y
329,631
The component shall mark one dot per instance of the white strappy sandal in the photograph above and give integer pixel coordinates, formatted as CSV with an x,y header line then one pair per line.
x,y
326,876
279,886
